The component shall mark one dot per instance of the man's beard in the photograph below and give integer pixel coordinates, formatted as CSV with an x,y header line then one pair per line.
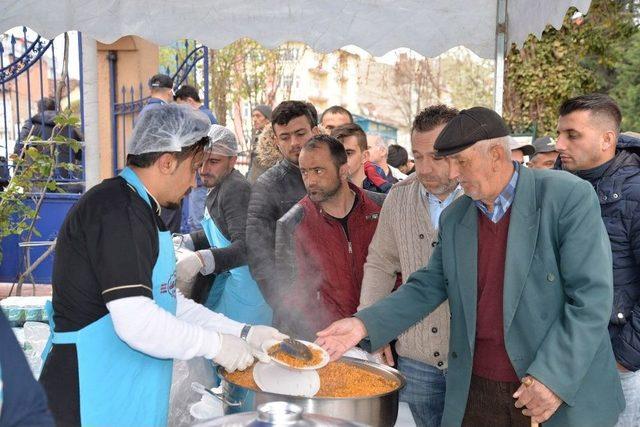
x,y
439,189
210,181
171,205
323,195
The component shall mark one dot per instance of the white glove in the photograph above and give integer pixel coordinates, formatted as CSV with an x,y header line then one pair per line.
x,y
258,334
236,354
188,265
183,241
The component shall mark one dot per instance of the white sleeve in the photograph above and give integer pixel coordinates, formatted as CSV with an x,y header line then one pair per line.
x,y
150,329
197,314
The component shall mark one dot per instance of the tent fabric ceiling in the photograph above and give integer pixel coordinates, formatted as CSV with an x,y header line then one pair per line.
x,y
378,26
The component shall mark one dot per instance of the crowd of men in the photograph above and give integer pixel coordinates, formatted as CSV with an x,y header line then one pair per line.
x,y
501,277
333,228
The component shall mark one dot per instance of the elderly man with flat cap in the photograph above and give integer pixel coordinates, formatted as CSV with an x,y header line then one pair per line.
x,y
524,260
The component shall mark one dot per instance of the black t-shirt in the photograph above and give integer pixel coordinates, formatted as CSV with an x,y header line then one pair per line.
x,y
106,250
344,221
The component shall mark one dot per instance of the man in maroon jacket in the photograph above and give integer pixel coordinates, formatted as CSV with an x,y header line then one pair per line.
x,y
322,242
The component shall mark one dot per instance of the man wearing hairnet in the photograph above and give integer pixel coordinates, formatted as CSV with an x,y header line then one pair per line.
x,y
219,248
117,319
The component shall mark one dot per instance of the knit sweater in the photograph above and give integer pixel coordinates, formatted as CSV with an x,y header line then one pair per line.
x,y
403,243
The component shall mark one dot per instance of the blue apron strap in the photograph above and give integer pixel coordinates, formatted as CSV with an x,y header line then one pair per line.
x,y
56,337
64,337
130,176
48,309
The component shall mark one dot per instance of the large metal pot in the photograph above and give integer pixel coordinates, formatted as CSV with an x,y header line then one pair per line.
x,y
380,410
278,414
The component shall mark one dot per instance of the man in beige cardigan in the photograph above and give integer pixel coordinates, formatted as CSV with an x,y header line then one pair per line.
x,y
404,239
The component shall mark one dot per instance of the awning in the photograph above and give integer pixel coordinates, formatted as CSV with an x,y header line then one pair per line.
x,y
428,27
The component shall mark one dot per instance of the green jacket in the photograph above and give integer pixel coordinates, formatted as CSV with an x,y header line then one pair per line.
x,y
558,293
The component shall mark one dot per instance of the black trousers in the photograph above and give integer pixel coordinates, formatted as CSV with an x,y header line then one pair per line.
x,y
491,404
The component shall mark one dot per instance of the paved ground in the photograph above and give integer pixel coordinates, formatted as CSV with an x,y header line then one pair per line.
x,y
27,290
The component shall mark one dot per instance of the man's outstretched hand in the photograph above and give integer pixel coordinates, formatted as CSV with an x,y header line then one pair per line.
x,y
341,335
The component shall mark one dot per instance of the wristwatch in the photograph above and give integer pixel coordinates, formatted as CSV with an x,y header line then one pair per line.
x,y
245,331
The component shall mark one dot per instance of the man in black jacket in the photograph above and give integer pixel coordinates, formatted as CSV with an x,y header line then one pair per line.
x,y
40,127
276,191
590,145
219,248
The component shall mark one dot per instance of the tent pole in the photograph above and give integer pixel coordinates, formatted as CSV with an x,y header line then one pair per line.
x,y
90,120
501,41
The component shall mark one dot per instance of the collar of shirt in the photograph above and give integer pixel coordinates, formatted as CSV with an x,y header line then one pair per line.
x,y
436,206
504,200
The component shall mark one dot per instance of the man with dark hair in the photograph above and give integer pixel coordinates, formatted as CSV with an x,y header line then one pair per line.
x,y
354,141
276,191
161,89
322,242
404,241
362,172
590,145
335,116
117,320
189,95
399,159
525,263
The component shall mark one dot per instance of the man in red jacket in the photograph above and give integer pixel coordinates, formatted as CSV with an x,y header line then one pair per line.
x,y
322,242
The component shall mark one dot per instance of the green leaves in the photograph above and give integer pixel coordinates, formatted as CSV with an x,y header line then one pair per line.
x,y
34,171
579,58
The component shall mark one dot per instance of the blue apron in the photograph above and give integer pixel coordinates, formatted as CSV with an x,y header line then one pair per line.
x,y
234,293
120,386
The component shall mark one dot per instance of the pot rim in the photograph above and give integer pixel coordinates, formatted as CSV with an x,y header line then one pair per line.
x,y
350,360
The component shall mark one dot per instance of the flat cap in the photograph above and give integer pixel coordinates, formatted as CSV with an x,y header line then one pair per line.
x,y
545,144
467,128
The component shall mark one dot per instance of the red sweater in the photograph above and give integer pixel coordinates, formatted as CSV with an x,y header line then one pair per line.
x,y
490,359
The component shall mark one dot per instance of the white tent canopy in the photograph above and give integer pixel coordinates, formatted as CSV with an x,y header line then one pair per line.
x,y
429,27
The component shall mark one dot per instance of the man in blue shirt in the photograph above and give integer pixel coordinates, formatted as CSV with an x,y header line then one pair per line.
x,y
161,88
189,95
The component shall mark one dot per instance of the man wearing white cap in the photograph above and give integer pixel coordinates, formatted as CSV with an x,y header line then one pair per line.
x,y
117,319
519,149
219,248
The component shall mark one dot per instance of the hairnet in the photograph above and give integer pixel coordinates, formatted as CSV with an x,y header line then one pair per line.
x,y
222,141
168,127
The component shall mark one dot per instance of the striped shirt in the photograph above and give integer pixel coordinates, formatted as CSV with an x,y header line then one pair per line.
x,y
503,202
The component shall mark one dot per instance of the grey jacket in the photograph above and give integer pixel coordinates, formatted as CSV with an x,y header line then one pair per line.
x,y
227,204
275,192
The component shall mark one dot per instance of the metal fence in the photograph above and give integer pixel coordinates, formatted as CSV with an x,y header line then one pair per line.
x,y
191,67
33,70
